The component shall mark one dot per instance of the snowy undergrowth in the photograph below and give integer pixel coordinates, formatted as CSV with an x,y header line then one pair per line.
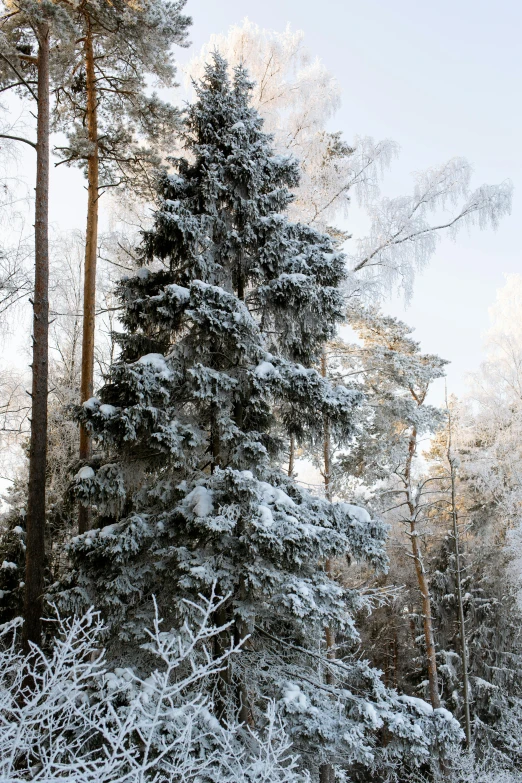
x,y
83,721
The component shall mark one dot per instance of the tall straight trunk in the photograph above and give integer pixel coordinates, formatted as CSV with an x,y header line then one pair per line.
x,y
291,456
91,244
327,458
35,524
327,473
327,771
433,677
460,601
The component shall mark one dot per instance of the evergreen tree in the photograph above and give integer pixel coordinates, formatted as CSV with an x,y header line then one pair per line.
x,y
222,326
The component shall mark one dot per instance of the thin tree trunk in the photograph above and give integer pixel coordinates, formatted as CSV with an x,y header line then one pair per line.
x,y
221,643
326,771
395,659
35,530
91,244
291,456
215,445
422,580
326,774
460,602
433,677
327,466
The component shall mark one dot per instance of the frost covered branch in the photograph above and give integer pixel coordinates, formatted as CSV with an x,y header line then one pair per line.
x,y
84,722
402,238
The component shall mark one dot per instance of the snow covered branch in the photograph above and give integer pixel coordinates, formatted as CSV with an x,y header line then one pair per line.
x,y
79,720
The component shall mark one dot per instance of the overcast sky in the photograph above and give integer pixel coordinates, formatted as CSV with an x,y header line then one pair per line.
x,y
441,79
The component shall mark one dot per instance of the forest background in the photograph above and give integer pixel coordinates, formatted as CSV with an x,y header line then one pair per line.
x,y
445,310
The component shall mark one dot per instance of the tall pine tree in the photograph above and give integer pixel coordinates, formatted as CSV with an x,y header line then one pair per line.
x,y
223,324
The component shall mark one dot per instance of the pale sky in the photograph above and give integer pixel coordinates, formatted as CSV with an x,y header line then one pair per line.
x,y
442,79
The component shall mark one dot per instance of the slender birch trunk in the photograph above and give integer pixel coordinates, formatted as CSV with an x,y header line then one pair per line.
x,y
35,524
91,245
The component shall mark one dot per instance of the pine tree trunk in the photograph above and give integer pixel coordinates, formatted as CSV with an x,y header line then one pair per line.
x,y
35,525
240,629
91,244
240,634
422,580
221,644
431,659
395,659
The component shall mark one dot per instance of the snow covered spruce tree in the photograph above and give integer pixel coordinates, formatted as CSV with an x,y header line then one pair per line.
x,y
223,324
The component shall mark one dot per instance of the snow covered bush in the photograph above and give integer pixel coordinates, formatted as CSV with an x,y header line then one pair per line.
x,y
475,767
69,716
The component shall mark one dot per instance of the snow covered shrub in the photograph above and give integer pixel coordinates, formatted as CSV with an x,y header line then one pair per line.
x,y
475,767
83,721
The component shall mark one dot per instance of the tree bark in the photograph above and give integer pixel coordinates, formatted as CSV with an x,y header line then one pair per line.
x,y
460,602
433,677
91,246
221,643
35,524
326,774
291,456
326,771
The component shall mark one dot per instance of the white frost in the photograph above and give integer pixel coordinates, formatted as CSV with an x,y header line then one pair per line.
x,y
265,370
275,495
358,513
446,714
178,292
155,361
85,473
265,515
419,704
107,411
200,501
293,693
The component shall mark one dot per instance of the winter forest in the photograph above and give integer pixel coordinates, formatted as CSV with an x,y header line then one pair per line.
x,y
242,540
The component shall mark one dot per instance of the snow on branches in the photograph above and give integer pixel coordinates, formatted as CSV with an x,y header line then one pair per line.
x,y
297,98
67,715
403,238
223,326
